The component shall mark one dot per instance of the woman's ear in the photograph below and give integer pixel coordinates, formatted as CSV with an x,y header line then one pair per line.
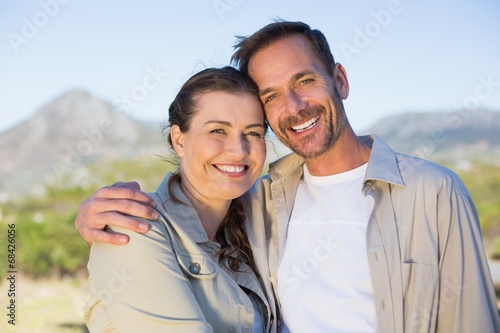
x,y
177,138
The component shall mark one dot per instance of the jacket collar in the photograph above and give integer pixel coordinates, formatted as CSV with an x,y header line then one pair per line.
x,y
382,164
183,215
285,165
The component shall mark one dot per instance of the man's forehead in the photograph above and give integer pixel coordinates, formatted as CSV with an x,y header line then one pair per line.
x,y
284,44
282,60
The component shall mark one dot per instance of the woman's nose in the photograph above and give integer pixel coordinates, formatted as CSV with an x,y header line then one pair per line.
x,y
238,146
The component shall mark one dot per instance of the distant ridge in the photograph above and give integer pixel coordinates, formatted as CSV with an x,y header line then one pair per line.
x,y
60,141
443,135
64,136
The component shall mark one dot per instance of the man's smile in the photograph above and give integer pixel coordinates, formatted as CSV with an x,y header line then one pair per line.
x,y
306,125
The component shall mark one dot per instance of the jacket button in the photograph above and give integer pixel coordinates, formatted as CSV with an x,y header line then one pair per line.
x,y
195,268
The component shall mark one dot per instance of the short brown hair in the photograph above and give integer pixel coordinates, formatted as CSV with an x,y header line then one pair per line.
x,y
246,47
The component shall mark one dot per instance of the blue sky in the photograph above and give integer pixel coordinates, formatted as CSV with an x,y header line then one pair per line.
x,y
400,56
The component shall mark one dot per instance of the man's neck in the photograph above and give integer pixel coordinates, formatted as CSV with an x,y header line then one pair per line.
x,y
347,153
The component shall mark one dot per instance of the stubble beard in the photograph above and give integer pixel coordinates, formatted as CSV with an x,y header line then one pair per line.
x,y
309,146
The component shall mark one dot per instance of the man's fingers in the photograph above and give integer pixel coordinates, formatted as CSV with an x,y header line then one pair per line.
x,y
134,185
119,205
106,237
125,207
115,219
117,192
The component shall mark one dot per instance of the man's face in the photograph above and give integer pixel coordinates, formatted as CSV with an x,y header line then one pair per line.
x,y
300,96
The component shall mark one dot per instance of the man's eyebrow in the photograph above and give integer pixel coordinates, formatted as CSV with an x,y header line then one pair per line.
x,y
300,75
266,91
292,80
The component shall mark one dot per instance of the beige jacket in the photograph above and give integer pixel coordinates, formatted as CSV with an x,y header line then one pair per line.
x,y
168,280
428,267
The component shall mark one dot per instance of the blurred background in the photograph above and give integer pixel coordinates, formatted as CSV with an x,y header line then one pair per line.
x,y
85,88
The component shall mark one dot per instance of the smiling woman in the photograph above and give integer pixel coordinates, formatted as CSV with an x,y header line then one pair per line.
x,y
223,149
196,265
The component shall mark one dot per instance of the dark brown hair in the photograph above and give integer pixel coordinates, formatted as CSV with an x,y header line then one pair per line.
x,y
231,234
246,47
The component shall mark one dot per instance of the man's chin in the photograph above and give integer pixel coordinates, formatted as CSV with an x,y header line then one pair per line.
x,y
309,151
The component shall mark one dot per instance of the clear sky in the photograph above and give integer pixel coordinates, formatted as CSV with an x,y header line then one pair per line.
x,y
406,55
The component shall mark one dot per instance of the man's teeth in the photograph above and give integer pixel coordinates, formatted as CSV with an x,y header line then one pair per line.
x,y
231,168
306,125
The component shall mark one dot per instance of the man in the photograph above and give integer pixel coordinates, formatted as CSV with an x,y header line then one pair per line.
x,y
348,236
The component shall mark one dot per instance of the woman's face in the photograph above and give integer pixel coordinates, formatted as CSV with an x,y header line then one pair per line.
x,y
223,152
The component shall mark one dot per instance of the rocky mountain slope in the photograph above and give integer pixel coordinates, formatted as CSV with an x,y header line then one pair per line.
x,y
443,135
59,142
66,135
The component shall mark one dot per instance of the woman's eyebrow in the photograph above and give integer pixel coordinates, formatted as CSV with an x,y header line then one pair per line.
x,y
220,122
227,123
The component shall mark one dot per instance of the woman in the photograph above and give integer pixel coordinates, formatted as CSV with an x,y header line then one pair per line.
x,y
192,272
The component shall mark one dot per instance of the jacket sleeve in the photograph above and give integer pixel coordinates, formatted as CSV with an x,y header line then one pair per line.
x,y
139,287
467,301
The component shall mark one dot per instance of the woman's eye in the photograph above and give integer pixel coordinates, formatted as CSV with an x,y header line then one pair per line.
x,y
257,134
218,131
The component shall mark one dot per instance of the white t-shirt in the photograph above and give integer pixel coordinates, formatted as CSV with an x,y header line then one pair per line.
x,y
324,281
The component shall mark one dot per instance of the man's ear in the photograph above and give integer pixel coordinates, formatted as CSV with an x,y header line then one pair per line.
x,y
177,138
341,82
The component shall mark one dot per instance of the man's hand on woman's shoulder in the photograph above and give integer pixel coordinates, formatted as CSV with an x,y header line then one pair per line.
x,y
116,205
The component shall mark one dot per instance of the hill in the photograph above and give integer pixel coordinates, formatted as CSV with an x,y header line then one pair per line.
x,y
444,136
63,137
59,143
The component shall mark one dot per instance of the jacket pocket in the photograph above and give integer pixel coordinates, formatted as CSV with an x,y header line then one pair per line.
x,y
419,297
197,266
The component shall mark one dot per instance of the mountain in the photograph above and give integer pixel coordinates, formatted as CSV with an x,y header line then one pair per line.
x,y
441,136
65,136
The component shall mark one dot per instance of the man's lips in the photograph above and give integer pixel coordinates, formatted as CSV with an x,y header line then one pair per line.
x,y
306,125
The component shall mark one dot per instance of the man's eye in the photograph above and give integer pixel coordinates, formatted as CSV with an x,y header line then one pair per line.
x,y
305,81
270,98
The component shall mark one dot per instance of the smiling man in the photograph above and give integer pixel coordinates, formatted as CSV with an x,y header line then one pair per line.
x,y
348,235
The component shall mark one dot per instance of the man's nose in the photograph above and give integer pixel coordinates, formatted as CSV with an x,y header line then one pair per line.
x,y
294,102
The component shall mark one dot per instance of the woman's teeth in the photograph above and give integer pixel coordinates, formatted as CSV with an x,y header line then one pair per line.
x,y
231,168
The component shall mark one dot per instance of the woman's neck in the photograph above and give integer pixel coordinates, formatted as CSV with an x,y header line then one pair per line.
x,y
210,212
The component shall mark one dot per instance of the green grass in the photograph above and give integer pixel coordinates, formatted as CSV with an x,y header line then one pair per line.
x,y
54,306
48,244
50,253
498,300
483,183
57,306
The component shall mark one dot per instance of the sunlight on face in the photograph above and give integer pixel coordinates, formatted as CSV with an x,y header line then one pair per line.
x,y
223,152
299,96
